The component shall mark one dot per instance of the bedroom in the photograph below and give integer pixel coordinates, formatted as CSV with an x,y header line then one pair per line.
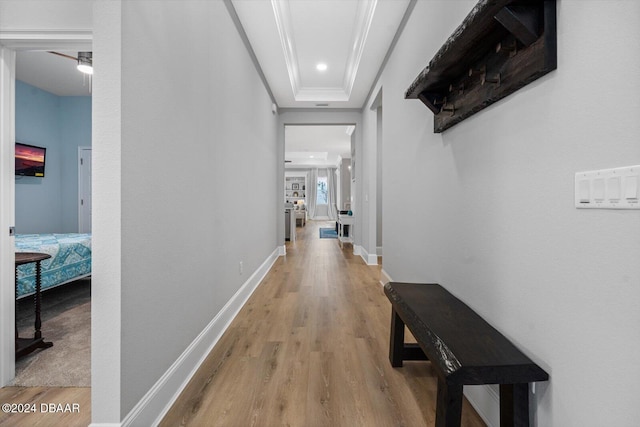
x,y
54,114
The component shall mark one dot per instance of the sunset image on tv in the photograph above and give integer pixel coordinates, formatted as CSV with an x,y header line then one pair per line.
x,y
30,160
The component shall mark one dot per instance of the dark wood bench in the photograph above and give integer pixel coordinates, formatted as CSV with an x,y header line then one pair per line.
x,y
463,350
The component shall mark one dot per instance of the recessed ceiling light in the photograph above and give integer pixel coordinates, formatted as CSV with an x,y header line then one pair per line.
x,y
321,66
311,156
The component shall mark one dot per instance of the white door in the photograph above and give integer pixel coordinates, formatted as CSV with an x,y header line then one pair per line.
x,y
84,189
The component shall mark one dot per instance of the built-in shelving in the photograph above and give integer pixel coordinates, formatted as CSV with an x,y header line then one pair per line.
x,y
295,188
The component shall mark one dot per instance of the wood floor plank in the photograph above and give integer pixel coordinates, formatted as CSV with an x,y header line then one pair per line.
x,y
54,406
310,348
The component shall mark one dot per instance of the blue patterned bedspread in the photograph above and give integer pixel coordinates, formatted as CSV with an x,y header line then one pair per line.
x,y
70,258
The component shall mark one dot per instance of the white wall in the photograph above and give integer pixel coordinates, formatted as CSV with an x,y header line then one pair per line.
x,y
492,218
367,162
345,183
198,143
107,257
35,15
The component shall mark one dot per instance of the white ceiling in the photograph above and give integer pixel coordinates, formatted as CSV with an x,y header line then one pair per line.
x,y
290,37
52,73
317,146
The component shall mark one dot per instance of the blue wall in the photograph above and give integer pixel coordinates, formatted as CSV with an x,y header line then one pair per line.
x,y
61,124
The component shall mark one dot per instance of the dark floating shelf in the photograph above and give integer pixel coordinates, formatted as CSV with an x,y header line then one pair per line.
x,y
501,46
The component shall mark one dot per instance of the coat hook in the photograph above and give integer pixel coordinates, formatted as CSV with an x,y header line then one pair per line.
x,y
449,108
440,102
481,70
495,79
459,88
507,48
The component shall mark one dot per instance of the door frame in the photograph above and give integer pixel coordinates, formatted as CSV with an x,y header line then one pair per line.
x,y
347,117
81,225
9,44
7,215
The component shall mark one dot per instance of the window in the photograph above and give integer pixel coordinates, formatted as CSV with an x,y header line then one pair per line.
x,y
321,193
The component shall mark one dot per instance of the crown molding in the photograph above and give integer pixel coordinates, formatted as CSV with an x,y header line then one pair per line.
x,y
47,39
366,10
364,17
282,15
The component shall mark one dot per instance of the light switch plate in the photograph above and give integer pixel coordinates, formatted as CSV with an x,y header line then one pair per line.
x,y
615,188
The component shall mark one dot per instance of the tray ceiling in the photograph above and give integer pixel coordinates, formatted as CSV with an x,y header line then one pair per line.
x,y
292,37
289,38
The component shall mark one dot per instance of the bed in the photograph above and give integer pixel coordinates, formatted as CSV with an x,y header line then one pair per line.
x,y
70,260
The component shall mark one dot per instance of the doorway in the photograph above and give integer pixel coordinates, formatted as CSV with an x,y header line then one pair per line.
x,y
320,155
379,183
377,158
84,189
8,63
53,110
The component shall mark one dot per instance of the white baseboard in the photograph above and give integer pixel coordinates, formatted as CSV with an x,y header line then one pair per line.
x,y
357,249
486,402
379,250
282,250
158,400
369,259
384,277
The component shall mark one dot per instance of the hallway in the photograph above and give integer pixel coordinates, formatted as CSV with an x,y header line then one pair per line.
x,y
310,348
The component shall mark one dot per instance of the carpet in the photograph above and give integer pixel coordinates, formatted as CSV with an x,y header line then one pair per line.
x,y
68,362
328,233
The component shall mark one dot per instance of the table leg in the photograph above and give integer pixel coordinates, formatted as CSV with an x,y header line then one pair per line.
x,y
16,310
26,345
514,405
38,323
396,341
449,404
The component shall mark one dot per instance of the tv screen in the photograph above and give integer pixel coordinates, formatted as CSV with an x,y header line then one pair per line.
x,y
30,160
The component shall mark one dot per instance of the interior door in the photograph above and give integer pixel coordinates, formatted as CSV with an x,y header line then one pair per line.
x,y
84,189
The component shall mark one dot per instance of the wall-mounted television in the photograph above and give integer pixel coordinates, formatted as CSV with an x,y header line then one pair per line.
x,y
30,160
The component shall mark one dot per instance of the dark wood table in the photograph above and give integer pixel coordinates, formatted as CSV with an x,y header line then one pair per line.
x,y
25,346
463,349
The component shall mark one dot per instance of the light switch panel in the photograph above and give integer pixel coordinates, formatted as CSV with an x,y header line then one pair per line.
x,y
631,187
584,191
613,189
616,188
598,189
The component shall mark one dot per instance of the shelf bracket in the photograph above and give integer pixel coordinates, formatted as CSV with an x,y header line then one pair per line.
x,y
523,21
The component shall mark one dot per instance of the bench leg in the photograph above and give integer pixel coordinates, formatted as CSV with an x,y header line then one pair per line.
x,y
514,405
449,404
396,342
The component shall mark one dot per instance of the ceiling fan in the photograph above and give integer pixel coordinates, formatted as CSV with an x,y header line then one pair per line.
x,y
84,60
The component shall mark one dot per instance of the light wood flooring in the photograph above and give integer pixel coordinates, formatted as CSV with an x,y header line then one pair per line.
x,y
310,348
44,416
57,301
